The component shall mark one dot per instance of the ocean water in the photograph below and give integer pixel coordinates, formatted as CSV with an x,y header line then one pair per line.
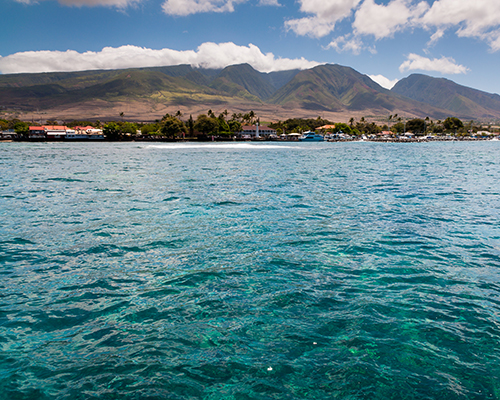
x,y
250,271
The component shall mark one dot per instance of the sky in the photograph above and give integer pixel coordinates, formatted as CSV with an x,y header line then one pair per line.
x,y
385,39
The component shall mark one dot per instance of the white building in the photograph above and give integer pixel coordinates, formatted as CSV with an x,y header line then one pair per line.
x,y
255,131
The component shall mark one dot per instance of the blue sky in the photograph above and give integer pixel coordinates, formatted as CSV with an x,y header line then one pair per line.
x,y
387,40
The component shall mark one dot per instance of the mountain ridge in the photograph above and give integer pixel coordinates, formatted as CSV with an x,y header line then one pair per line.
x,y
466,102
329,88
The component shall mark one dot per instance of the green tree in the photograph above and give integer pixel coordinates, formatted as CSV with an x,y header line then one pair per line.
x,y
111,130
206,125
171,127
234,126
342,128
21,128
416,125
190,126
128,127
150,129
452,124
223,125
398,127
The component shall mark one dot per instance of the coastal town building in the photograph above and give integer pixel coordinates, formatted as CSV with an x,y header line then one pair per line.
x,y
8,134
86,132
55,132
61,132
37,133
325,128
255,131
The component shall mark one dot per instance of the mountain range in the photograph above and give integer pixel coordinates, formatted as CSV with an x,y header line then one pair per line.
x,y
325,89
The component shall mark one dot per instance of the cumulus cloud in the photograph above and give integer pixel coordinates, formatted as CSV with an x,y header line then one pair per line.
x,y
310,26
187,7
90,3
475,19
346,43
207,55
380,19
370,18
383,81
323,16
383,21
435,37
445,65
269,3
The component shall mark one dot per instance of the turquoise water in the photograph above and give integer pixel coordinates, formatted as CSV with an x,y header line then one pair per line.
x,y
250,271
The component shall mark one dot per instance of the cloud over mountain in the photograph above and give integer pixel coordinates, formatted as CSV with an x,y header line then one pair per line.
x,y
207,55
444,65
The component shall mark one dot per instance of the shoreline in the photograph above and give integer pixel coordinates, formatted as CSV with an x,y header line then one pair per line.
x,y
186,140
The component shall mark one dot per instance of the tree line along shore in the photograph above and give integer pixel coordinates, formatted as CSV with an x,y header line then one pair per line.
x,y
224,126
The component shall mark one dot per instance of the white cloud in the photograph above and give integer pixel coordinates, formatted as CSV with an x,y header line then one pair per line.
x,y
332,10
435,37
345,43
269,3
474,19
325,14
445,65
383,21
479,19
207,55
310,26
383,81
187,7
495,41
89,3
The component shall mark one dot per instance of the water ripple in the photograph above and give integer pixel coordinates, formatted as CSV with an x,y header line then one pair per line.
x,y
249,271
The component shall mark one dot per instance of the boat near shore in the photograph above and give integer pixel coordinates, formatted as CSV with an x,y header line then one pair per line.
x,y
310,136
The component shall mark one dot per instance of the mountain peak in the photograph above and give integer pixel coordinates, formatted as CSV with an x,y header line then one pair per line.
x,y
443,93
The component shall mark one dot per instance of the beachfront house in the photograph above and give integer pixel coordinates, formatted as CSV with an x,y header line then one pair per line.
x,y
56,132
36,133
85,133
8,134
325,128
60,132
256,131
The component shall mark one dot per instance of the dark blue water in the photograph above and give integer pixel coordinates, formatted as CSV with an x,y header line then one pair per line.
x,y
250,271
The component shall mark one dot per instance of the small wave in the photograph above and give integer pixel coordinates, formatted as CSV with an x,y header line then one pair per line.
x,y
236,146
226,203
65,180
17,240
172,198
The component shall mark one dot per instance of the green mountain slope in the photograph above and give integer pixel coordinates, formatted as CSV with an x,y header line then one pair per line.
x,y
461,101
248,79
338,88
323,88
180,85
